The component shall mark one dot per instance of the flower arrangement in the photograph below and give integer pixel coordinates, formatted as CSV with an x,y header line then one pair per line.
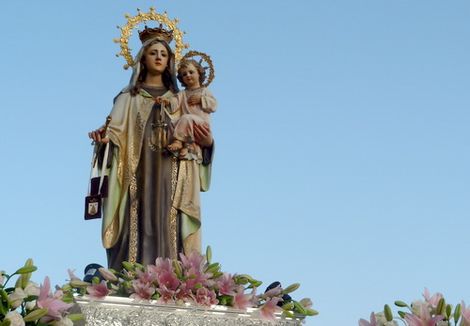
x,y
195,280
432,311
27,304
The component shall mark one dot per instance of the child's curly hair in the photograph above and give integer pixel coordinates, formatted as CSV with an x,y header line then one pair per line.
x,y
200,69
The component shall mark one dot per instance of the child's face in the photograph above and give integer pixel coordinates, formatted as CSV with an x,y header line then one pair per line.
x,y
190,76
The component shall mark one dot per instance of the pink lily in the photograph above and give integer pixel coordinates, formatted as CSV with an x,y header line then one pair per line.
x,y
465,315
161,265
193,262
242,300
183,294
166,295
55,307
273,292
98,291
143,291
270,308
226,284
146,277
72,275
373,321
206,297
424,318
432,300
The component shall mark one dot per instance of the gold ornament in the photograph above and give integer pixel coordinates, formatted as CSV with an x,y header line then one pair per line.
x,y
152,15
207,60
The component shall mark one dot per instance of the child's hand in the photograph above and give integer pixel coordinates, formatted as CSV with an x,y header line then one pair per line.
x,y
194,100
162,100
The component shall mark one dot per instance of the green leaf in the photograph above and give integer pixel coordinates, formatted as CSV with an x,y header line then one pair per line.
x,y
299,308
5,322
402,314
388,313
75,317
217,274
399,303
66,287
4,302
256,284
457,313
35,315
225,300
68,298
311,312
9,290
288,314
288,306
31,298
213,268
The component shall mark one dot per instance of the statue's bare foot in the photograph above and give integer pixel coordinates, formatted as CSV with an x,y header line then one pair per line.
x,y
175,145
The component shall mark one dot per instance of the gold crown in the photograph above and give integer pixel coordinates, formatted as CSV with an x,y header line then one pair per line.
x,y
158,33
173,32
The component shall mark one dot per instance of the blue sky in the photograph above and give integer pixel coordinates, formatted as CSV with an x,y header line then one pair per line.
x,y
342,157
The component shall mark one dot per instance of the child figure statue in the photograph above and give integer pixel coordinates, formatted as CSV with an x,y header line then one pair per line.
x,y
196,103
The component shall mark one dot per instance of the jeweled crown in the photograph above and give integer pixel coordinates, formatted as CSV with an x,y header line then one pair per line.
x,y
158,33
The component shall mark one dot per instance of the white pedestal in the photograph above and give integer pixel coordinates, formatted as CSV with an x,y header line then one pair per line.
x,y
116,311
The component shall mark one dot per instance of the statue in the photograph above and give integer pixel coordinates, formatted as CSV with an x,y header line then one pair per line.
x,y
152,208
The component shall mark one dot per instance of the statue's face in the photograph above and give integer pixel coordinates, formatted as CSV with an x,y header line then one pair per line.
x,y
190,76
156,58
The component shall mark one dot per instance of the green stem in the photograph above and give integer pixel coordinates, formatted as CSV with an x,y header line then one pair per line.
x,y
8,278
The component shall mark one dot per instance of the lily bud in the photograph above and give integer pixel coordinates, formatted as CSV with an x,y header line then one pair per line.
x,y
399,303
388,313
291,288
107,274
177,268
79,284
209,254
306,303
35,315
441,306
128,266
26,269
457,313
288,306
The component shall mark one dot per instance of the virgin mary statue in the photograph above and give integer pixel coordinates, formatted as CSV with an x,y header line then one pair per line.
x,y
152,208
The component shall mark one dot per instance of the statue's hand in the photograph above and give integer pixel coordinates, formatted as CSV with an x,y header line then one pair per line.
x,y
202,135
194,100
98,136
162,100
